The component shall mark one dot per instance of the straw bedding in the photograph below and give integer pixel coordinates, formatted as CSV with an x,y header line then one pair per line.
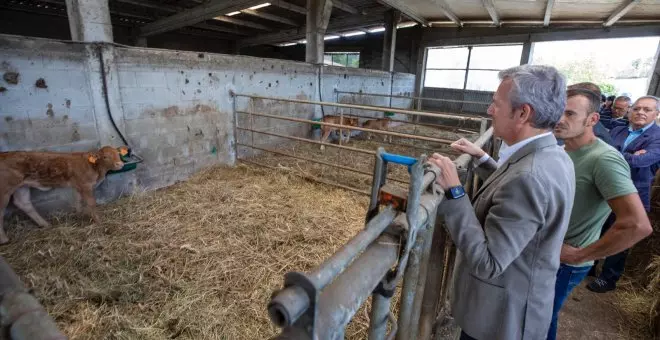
x,y
197,260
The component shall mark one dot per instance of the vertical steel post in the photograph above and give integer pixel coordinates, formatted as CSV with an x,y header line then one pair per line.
x,y
380,311
434,277
411,265
423,270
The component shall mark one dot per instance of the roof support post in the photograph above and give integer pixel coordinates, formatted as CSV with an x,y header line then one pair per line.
x,y
318,17
392,18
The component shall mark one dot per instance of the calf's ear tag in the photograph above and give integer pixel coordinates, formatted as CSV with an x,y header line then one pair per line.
x,y
123,151
92,159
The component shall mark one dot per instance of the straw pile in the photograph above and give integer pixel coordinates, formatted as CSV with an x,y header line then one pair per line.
x,y
198,260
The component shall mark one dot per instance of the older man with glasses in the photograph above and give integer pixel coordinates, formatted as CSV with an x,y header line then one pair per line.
x,y
639,143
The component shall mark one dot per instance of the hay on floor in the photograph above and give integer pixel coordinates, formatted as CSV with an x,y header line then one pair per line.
x,y
198,260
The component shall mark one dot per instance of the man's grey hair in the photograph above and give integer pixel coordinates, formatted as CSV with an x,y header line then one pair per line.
x,y
623,99
541,87
657,101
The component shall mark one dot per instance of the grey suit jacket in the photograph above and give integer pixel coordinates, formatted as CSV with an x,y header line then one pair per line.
x,y
509,242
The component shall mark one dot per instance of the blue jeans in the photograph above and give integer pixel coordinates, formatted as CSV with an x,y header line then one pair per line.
x,y
568,277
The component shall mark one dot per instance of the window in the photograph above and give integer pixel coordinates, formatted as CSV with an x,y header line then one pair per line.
x,y
346,59
469,67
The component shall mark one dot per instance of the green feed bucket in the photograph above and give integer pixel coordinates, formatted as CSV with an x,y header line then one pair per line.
x,y
316,126
130,160
389,114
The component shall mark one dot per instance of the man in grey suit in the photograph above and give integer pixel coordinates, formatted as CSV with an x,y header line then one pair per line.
x,y
510,238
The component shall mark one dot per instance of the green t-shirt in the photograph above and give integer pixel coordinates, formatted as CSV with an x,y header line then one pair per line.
x,y
601,174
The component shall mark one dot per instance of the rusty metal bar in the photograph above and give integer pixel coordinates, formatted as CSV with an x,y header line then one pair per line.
x,y
396,134
437,126
300,139
309,177
413,97
365,107
316,161
463,160
21,313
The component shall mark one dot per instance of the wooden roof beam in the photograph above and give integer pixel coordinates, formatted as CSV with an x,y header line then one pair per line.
x,y
402,7
196,15
271,17
619,12
448,12
548,12
490,7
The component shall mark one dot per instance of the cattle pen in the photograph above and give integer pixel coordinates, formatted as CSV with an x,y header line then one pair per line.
x,y
169,264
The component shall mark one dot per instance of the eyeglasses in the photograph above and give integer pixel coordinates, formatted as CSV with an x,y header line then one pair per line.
x,y
643,109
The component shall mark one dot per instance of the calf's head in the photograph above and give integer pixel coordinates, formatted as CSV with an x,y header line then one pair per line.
x,y
108,157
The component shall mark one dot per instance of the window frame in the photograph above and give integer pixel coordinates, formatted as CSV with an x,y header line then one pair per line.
x,y
467,68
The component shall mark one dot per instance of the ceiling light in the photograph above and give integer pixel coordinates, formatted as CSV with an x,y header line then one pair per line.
x,y
330,37
350,34
406,24
286,44
232,13
302,41
260,6
376,30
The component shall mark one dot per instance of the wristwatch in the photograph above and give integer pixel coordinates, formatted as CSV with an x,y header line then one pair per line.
x,y
455,192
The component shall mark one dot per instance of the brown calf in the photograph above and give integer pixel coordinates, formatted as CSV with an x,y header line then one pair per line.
x,y
378,124
21,170
336,120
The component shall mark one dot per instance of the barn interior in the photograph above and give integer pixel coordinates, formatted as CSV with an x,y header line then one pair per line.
x,y
218,100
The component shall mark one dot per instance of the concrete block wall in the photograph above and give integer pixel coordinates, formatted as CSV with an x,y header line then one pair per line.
x,y
174,108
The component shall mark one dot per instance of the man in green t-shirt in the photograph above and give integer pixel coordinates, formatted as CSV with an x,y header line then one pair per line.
x,y
603,185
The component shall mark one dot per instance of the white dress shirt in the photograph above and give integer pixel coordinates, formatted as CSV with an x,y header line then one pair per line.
x,y
506,151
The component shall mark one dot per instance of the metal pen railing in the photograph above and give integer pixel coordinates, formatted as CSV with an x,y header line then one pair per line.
x,y
319,304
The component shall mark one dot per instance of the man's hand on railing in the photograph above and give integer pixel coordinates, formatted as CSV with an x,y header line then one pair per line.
x,y
465,146
448,174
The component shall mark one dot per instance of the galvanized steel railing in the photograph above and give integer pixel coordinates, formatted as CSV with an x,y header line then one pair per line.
x,y
398,245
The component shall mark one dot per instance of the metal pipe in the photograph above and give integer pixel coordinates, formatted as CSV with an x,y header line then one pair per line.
x,y
389,133
333,266
412,97
21,313
463,160
437,126
308,177
317,161
380,311
421,281
363,107
417,213
344,296
300,139
433,282
290,303
409,289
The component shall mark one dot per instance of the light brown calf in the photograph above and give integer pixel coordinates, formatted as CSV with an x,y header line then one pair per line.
x,y
21,170
378,124
336,120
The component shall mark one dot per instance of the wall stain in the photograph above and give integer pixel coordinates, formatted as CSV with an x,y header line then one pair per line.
x,y
11,77
50,113
41,83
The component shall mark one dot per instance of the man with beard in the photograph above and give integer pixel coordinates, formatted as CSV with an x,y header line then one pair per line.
x,y
603,185
640,145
